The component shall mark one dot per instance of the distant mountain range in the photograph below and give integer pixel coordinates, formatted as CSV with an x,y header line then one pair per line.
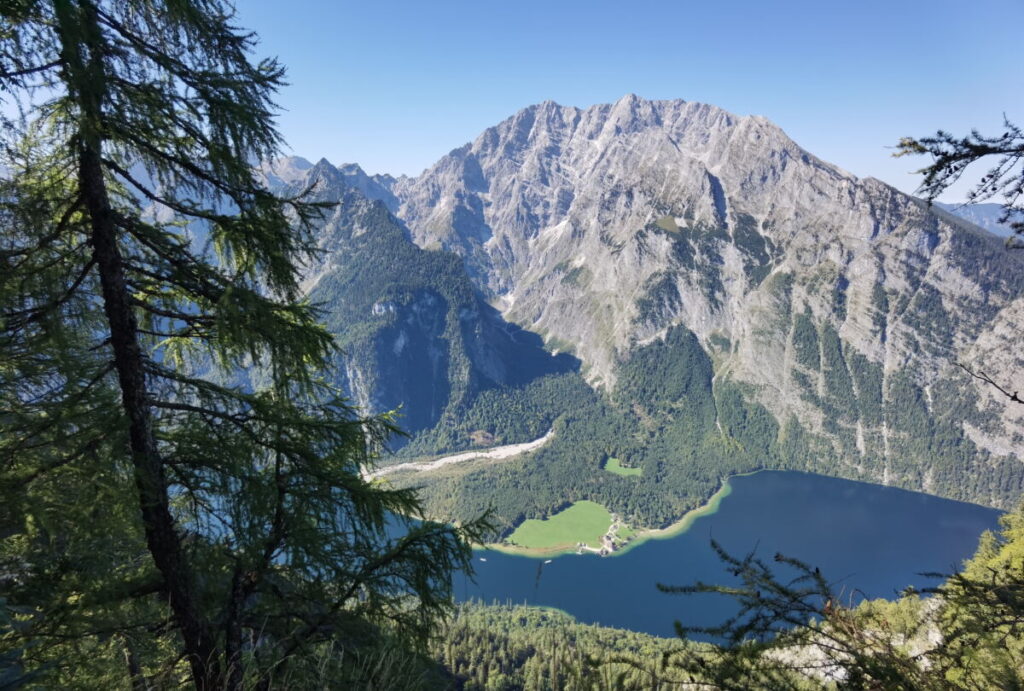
x,y
817,318
985,216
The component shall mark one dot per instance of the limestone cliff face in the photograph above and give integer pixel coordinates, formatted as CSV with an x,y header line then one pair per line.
x,y
839,304
601,228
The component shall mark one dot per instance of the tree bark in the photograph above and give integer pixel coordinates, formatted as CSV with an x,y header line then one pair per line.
x,y
135,673
235,672
161,534
82,58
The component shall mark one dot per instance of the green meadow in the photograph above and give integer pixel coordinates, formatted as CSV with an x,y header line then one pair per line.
x,y
615,466
584,521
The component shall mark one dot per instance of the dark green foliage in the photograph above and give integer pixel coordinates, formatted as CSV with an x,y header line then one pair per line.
x,y
906,408
839,392
839,297
586,430
675,370
780,287
795,445
409,322
508,415
682,251
720,342
533,649
158,517
880,304
929,319
748,423
666,418
13,674
902,300
926,433
808,388
660,300
755,247
867,380
662,418
805,341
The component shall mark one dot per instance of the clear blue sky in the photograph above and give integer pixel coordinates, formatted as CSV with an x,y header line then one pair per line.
x,y
393,86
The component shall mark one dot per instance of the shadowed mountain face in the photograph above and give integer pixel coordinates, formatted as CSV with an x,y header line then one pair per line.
x,y
414,334
838,305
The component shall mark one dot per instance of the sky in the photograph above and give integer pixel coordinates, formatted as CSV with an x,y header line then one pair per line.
x,y
394,86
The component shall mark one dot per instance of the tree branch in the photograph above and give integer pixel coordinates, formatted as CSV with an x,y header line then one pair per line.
x,y
981,376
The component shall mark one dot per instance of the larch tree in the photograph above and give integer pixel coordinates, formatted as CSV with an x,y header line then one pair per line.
x,y
180,486
951,156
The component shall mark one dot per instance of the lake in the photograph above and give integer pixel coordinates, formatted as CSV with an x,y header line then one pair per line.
x,y
865,538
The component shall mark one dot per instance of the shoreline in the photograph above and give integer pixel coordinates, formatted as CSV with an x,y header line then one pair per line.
x,y
708,508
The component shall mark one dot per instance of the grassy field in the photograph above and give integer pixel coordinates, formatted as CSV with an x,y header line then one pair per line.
x,y
537,540
584,521
615,466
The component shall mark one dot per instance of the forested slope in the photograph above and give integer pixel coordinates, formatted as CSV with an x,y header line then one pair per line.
x,y
418,337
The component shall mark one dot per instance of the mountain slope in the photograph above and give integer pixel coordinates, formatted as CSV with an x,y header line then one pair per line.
x,y
840,305
413,332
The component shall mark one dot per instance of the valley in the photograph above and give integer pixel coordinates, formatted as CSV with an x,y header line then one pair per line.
x,y
627,330
613,277
635,395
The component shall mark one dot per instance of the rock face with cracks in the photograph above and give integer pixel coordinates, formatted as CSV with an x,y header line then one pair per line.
x,y
839,304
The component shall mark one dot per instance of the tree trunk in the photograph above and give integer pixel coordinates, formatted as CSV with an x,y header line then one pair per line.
x,y
161,535
135,673
80,33
235,672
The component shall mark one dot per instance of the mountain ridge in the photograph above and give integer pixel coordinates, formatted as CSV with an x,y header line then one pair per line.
x,y
839,306
414,335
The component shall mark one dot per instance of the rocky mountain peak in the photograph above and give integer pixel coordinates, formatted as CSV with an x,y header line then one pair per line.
x,y
296,173
838,305
606,171
602,228
286,170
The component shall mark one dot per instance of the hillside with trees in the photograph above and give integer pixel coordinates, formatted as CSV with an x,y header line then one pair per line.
x,y
161,527
201,364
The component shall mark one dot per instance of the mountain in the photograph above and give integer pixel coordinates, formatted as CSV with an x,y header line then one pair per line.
x,y
733,301
831,299
987,216
413,332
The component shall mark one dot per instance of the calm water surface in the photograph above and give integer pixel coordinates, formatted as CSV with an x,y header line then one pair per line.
x,y
872,539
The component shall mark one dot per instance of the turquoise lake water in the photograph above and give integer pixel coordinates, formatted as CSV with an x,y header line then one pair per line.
x,y
870,541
